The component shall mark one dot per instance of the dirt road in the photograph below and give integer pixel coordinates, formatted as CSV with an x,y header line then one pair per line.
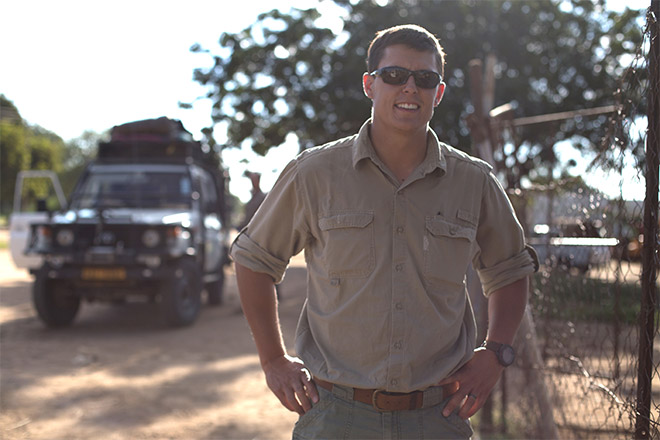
x,y
117,373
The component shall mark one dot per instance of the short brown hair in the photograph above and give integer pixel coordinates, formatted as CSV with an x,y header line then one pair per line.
x,y
411,35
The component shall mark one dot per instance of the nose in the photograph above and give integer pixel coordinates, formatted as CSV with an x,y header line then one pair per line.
x,y
410,85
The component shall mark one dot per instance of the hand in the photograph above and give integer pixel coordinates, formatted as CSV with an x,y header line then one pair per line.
x,y
474,382
292,383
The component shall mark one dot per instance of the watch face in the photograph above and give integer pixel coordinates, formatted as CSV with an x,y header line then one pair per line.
x,y
507,355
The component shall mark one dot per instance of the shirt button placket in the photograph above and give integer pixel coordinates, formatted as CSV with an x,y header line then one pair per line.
x,y
399,255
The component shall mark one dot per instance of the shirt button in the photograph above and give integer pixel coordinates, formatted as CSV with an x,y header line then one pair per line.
x,y
399,306
398,345
399,229
334,282
452,231
399,267
394,382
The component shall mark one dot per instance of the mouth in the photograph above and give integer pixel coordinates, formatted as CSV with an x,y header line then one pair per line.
x,y
407,106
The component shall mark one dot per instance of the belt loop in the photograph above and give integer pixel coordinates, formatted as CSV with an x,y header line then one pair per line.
x,y
416,401
345,393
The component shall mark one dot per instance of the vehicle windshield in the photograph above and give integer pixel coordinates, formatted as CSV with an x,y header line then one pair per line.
x,y
134,189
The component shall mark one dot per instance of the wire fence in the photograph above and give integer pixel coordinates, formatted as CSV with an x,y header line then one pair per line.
x,y
589,362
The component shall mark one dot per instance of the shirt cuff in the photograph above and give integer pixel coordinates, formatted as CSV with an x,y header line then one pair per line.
x,y
248,253
508,271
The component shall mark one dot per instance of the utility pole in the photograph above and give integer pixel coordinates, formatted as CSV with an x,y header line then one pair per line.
x,y
483,136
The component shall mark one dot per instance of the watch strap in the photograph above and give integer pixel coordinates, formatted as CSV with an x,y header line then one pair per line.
x,y
499,348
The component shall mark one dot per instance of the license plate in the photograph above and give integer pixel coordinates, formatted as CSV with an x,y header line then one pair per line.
x,y
103,273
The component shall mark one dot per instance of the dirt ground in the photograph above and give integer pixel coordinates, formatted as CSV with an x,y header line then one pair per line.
x,y
118,373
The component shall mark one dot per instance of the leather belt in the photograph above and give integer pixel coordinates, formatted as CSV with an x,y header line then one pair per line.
x,y
388,401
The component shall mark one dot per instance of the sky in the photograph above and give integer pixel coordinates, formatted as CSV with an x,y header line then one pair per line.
x,y
73,65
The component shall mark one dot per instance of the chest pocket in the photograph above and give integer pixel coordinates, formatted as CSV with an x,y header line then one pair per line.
x,y
349,246
447,251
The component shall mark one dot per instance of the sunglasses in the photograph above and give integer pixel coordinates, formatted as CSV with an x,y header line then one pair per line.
x,y
396,76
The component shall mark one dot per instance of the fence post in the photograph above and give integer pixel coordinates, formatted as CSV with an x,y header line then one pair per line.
x,y
482,95
646,321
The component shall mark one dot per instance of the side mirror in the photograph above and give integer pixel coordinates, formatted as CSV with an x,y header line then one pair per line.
x,y
41,205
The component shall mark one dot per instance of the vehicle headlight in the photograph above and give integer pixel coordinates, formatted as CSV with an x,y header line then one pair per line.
x,y
64,237
150,238
44,236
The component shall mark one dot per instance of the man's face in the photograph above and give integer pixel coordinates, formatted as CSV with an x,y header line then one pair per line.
x,y
405,107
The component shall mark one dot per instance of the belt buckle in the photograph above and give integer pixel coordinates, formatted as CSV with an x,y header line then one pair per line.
x,y
374,396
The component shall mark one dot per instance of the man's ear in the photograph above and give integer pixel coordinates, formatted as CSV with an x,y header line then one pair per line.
x,y
439,95
367,83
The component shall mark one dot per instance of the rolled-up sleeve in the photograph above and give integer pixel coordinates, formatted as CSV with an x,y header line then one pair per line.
x,y
503,256
276,232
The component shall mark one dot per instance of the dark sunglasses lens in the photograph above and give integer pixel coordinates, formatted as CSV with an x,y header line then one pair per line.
x,y
394,75
397,76
426,79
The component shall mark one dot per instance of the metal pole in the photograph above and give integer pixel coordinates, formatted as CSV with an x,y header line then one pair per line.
x,y
649,273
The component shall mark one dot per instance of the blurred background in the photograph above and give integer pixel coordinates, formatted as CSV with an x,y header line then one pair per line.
x,y
553,93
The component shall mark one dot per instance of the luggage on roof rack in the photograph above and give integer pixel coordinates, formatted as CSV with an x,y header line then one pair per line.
x,y
151,139
157,130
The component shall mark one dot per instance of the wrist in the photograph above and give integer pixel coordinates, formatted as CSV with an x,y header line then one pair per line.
x,y
266,362
504,353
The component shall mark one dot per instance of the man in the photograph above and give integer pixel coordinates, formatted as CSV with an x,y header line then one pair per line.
x,y
255,201
389,220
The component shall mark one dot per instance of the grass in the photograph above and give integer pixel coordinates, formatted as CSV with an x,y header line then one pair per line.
x,y
561,295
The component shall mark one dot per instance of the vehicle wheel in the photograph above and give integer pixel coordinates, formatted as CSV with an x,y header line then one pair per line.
x,y
56,304
182,294
215,289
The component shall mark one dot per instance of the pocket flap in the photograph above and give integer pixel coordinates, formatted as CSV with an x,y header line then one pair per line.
x,y
346,220
440,227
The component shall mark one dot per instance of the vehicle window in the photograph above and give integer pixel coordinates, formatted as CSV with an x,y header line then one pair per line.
x,y
137,189
209,193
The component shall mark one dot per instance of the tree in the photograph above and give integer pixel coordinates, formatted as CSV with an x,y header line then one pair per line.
x,y
24,147
285,74
77,154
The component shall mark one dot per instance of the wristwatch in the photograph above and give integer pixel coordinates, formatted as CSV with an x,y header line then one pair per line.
x,y
504,352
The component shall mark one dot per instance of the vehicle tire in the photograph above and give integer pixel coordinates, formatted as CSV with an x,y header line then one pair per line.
x,y
182,294
56,304
215,289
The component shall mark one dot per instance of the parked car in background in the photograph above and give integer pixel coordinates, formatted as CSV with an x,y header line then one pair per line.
x,y
572,244
146,220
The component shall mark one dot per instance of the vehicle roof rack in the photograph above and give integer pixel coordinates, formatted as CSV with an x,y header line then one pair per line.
x,y
152,140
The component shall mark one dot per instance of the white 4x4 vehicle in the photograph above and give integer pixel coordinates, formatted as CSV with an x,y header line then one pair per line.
x,y
146,219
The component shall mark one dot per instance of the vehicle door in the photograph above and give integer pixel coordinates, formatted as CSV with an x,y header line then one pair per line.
x,y
211,220
28,209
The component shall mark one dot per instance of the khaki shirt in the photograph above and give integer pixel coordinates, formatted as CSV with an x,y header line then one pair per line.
x,y
386,300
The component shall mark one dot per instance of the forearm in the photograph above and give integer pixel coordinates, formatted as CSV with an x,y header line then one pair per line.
x,y
286,376
476,379
506,307
258,299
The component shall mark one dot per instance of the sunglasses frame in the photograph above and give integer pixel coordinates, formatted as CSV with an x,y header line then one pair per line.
x,y
414,73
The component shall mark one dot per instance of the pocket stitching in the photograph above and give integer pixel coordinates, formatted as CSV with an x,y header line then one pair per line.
x,y
444,228
346,220
440,227
351,220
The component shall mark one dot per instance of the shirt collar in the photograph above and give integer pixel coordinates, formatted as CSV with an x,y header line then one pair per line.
x,y
363,149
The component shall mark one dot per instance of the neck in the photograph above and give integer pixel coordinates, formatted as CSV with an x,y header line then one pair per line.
x,y
400,152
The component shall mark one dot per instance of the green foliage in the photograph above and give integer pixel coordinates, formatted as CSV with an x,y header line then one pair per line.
x,y
76,155
13,158
25,147
285,74
561,295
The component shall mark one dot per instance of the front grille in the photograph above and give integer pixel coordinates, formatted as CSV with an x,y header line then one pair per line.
x,y
118,237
